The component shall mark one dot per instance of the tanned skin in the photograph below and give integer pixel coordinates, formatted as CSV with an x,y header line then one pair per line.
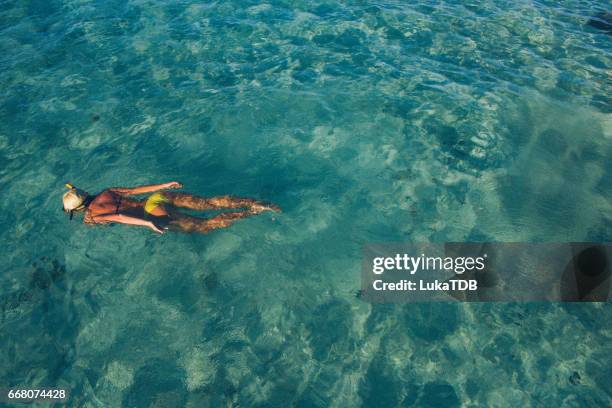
x,y
118,205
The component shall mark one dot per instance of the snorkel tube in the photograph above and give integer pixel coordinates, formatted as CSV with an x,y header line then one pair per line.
x,y
71,212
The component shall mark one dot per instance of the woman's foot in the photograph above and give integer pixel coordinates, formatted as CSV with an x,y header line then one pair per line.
x,y
260,207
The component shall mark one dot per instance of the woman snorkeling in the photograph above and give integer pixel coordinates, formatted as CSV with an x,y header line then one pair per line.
x,y
159,211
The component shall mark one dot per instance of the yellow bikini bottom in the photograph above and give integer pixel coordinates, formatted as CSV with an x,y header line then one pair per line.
x,y
154,201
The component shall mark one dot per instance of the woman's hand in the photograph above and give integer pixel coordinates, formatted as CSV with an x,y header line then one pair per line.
x,y
156,228
174,185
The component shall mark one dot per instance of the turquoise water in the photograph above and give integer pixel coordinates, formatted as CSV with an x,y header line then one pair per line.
x,y
366,122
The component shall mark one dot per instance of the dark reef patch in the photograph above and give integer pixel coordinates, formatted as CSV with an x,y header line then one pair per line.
x,y
601,21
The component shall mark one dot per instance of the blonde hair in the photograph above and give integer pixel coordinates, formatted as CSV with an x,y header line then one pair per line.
x,y
73,199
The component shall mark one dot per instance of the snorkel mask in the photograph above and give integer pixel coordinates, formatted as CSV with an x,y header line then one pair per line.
x,y
74,200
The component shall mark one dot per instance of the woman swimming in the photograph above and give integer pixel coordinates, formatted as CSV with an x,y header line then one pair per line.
x,y
159,211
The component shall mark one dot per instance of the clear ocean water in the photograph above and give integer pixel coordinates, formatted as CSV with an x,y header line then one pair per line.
x,y
366,122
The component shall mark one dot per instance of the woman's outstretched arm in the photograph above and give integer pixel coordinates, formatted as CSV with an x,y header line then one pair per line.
x,y
126,219
146,189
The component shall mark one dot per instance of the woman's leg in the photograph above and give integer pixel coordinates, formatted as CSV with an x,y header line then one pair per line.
x,y
187,223
214,203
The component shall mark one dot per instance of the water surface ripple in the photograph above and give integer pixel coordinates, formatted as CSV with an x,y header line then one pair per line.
x,y
367,122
